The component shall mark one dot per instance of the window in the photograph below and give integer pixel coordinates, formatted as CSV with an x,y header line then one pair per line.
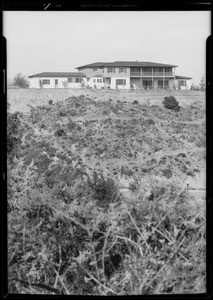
x,y
110,70
147,69
46,81
77,79
182,82
93,80
100,80
120,81
94,69
122,70
160,83
69,80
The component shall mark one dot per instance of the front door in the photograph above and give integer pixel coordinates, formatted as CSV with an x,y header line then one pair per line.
x,y
56,83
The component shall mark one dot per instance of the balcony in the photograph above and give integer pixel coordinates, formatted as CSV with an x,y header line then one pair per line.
x,y
135,73
151,74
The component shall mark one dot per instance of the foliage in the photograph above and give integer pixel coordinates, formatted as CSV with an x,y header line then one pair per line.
x,y
194,87
202,84
72,231
21,81
121,248
171,103
13,136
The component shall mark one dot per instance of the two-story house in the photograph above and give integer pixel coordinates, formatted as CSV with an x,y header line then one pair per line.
x,y
114,75
131,74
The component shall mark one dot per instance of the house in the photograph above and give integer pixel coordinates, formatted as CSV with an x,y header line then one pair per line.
x,y
114,75
134,74
57,80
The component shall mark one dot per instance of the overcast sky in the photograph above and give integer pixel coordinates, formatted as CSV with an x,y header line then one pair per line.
x,y
61,41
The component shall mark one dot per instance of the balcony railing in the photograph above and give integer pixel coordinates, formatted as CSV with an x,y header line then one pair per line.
x,y
151,74
135,73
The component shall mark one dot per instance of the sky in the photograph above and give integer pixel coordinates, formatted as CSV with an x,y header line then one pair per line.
x,y
48,41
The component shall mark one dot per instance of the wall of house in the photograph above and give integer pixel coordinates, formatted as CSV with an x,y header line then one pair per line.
x,y
35,83
113,83
89,72
187,85
95,82
116,73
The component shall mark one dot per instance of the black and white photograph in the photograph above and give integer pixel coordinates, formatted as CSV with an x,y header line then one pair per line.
x,y
106,152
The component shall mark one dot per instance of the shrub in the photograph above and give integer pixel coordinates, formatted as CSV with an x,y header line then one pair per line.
x,y
135,102
104,190
43,126
21,81
13,138
167,173
171,103
150,122
59,132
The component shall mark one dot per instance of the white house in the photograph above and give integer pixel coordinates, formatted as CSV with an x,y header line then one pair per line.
x,y
114,75
58,80
137,74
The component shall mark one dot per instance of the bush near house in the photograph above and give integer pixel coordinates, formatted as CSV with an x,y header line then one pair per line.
x,y
21,81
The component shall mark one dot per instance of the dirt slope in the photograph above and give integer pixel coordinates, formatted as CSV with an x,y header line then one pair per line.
x,y
105,130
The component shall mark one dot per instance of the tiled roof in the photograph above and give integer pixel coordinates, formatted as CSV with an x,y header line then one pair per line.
x,y
182,77
125,64
58,74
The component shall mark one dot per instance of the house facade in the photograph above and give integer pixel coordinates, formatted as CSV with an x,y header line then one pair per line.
x,y
57,80
115,75
135,74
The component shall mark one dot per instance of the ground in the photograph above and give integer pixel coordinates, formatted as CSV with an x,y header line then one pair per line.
x,y
142,137
97,192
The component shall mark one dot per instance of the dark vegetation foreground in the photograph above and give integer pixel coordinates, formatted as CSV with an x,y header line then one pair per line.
x,y
70,228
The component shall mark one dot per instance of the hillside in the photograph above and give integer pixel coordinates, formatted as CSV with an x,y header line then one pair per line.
x,y
97,200
108,130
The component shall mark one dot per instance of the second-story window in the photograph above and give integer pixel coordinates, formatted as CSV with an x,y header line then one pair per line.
x,y
110,70
122,70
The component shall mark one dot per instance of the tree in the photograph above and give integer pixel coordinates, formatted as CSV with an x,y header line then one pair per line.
x,y
21,81
202,84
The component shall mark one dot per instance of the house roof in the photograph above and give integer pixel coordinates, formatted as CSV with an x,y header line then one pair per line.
x,y
125,64
182,77
58,74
